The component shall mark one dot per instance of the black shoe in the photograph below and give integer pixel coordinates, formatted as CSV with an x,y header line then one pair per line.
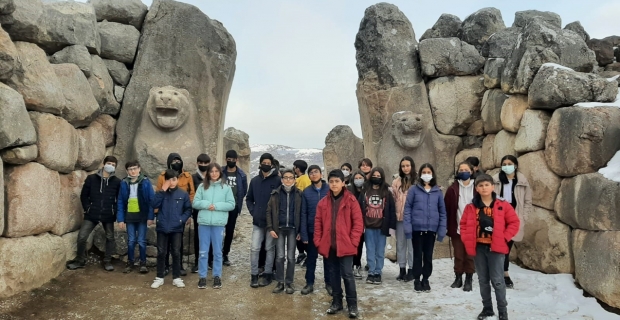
x,y
166,271
279,288
409,276
202,283
370,279
128,267
254,281
426,287
329,290
211,266
458,281
401,275
503,315
509,284
468,282
107,265
303,264
335,307
266,280
301,257
486,312
377,279
289,289
143,267
183,272
217,283
195,269
366,268
226,262
353,313
307,289
75,264
417,285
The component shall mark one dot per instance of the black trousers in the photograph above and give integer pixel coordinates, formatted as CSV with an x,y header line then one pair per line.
x,y
342,268
166,241
170,249
507,258
196,238
357,260
423,245
301,247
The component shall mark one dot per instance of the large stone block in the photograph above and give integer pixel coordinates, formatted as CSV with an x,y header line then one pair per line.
x,y
29,262
501,43
108,125
80,107
70,211
503,144
512,112
15,126
341,145
487,160
118,41
455,103
533,131
597,257
57,142
449,57
118,71
578,29
491,110
447,26
70,243
20,155
572,148
464,154
604,50
124,11
102,87
546,244
493,69
239,141
31,200
590,202
522,18
533,58
480,25
8,56
544,183
2,197
77,55
91,142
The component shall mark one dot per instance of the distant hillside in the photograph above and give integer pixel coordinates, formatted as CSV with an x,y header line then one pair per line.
x,y
286,155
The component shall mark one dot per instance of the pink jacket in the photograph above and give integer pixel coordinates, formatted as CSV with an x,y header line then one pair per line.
x,y
400,197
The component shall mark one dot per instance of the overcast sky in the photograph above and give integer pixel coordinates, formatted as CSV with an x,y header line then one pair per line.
x,y
296,75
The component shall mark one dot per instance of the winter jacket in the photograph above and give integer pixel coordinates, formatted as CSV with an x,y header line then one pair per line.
x,y
174,209
452,207
523,195
219,195
275,205
242,186
145,196
99,197
425,211
400,197
309,201
505,225
389,213
349,225
303,182
258,196
186,182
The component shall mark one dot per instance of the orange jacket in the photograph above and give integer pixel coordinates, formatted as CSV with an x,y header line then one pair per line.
x,y
185,182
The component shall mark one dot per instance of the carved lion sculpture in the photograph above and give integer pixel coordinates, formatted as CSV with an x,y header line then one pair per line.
x,y
408,130
168,107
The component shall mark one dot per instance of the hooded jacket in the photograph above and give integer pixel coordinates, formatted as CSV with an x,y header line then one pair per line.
x,y
242,186
221,197
309,201
349,225
523,195
452,207
145,196
186,182
425,211
278,196
99,197
174,209
259,194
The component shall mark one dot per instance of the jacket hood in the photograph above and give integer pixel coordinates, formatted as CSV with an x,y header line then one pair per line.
x,y
470,185
271,174
171,157
140,178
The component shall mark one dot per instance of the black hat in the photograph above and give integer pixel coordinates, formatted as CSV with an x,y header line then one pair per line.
x,y
314,166
336,173
203,157
231,154
266,156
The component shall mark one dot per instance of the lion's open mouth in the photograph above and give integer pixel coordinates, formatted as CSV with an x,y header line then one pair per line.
x,y
167,116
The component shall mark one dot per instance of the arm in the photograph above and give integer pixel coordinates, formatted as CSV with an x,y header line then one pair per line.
x,y
357,224
512,222
122,201
192,189
228,204
200,203
443,218
408,214
392,212
318,224
158,199
304,219
469,210
450,212
85,194
249,200
270,206
244,186
151,194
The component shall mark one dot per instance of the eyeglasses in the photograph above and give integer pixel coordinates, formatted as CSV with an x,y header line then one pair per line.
x,y
288,178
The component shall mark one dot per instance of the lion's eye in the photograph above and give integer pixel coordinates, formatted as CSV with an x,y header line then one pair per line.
x,y
160,92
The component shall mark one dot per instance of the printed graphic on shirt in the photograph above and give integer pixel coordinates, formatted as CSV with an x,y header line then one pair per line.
x,y
375,206
232,181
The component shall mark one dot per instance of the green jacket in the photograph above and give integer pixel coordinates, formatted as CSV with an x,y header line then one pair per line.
x,y
218,194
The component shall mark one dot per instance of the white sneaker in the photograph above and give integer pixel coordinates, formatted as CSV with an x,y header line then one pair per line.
x,y
158,282
178,282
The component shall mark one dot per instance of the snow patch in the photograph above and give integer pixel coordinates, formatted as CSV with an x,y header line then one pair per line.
x,y
555,66
612,171
614,78
394,31
614,104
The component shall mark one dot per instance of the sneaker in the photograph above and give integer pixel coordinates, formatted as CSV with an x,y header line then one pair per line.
x,y
217,283
289,288
158,282
486,312
300,258
254,281
307,289
357,272
202,283
329,289
426,287
128,267
509,284
503,315
143,267
353,313
178,282
107,266
417,286
75,264
195,269
335,307
183,272
370,279
279,288
266,280
226,262
377,279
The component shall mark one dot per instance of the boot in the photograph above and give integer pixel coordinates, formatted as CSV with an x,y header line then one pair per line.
x,y
503,315
509,284
417,285
486,312
254,281
353,313
409,276
266,279
401,276
279,288
458,281
329,290
335,307
307,289
468,282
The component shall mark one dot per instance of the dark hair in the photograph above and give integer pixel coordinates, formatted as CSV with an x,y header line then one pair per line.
x,y
360,173
336,173
203,157
207,180
348,165
483,177
353,187
231,154
383,187
301,165
132,163
365,161
468,164
110,159
433,181
266,156
169,174
314,167
288,171
502,175
406,180
474,161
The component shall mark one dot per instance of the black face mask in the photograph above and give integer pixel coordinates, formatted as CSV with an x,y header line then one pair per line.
x,y
265,168
203,168
231,164
375,180
177,167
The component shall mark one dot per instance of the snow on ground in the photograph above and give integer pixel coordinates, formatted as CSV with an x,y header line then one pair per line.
x,y
615,103
612,171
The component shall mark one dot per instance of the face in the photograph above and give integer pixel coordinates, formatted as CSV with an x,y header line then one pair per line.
x,y
405,165
175,161
133,171
507,162
200,163
266,162
376,174
485,188
315,175
427,171
214,174
358,176
365,168
174,182
464,168
110,163
288,179
336,185
345,168
231,160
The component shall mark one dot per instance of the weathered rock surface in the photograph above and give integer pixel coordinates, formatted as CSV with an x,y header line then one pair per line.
x,y
533,131
522,18
118,41
77,55
613,67
239,141
476,128
455,103
1,196
464,154
118,71
19,155
578,29
572,148
8,56
491,110
604,50
554,87
493,69
102,87
480,25
597,256
70,245
449,57
123,11
590,202
15,126
55,25
487,160
119,93
512,112
544,183
503,144
91,142
108,127
533,58
57,142
447,26
27,214
203,63
501,43
80,106
70,211
341,145
546,244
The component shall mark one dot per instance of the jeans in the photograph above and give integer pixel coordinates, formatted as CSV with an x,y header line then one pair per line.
x,y
210,237
136,229
462,262
230,230
342,268
489,267
258,235
375,250
357,260
423,245
507,258
286,243
404,248
165,241
86,229
312,255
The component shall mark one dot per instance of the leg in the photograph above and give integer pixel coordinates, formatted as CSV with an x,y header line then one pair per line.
x,y
181,250
380,252
401,245
230,231
311,262
280,255
85,230
270,253
346,270
507,258
162,248
301,247
142,228
132,229
258,234
290,257
110,244
416,242
217,237
371,247
459,255
177,239
428,244
335,275
327,271
482,269
204,250
263,255
357,260
196,239
495,263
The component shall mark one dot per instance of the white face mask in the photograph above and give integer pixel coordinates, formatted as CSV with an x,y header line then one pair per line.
x,y
358,182
109,168
345,173
508,169
426,177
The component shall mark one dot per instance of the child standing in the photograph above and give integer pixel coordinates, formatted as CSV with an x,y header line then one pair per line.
x,y
400,188
174,210
486,227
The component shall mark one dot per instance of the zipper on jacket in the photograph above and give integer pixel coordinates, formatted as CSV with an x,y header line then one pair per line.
x,y
288,206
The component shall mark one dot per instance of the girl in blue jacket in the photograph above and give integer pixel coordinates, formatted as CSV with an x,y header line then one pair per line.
x,y
425,220
214,199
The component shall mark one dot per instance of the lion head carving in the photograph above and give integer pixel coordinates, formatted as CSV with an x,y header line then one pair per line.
x,y
408,129
168,107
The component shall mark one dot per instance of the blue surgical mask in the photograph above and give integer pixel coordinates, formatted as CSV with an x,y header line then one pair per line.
x,y
464,176
508,169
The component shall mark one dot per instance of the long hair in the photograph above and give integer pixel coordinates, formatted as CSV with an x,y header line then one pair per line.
x,y
433,181
406,180
207,180
383,186
502,175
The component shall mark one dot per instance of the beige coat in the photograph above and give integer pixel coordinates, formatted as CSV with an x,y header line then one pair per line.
x,y
523,194
400,198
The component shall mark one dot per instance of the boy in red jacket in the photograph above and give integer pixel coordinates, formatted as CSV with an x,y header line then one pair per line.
x,y
338,226
487,225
